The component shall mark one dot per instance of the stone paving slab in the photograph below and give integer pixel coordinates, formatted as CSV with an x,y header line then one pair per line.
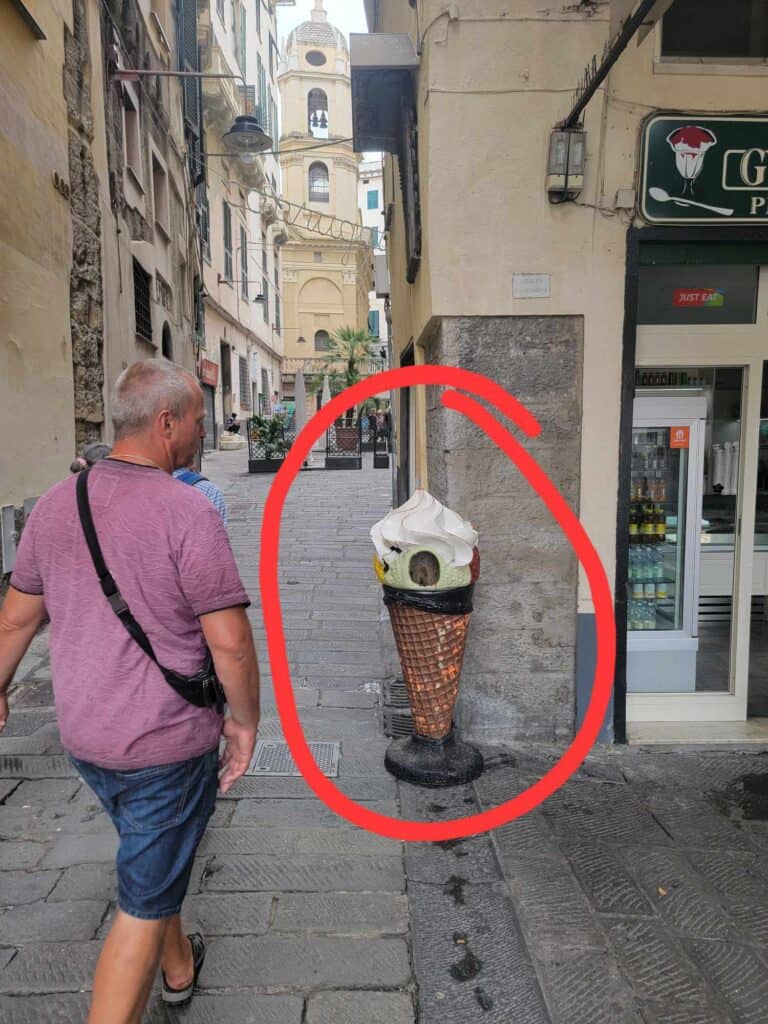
x,y
51,922
245,913
300,813
239,1009
470,960
341,914
553,912
68,850
358,788
7,788
272,963
51,967
305,873
286,842
738,974
26,723
654,962
21,855
43,792
19,887
360,1008
663,1013
473,859
587,988
85,882
33,767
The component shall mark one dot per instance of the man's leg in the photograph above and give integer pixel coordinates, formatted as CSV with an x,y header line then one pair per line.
x,y
176,959
126,970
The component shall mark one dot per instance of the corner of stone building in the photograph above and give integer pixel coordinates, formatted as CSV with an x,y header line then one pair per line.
x,y
86,281
519,675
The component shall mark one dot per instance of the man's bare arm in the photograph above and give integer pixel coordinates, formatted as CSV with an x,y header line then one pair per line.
x,y
230,641
20,618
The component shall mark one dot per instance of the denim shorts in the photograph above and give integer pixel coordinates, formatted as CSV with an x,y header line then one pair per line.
x,y
160,814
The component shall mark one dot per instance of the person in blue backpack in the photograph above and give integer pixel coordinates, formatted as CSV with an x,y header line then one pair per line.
x,y
211,491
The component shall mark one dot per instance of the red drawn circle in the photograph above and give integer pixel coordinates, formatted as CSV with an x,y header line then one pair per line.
x,y
450,377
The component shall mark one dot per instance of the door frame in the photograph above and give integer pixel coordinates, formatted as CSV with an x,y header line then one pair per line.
x,y
743,571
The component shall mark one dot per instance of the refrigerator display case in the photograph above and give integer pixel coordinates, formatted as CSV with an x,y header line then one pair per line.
x,y
664,542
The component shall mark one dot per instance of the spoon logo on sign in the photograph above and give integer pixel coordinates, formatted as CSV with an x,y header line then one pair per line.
x,y
690,145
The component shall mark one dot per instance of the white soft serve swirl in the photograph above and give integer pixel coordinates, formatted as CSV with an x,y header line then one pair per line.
x,y
423,522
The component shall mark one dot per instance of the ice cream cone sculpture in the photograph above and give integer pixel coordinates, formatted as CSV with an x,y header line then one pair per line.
x,y
427,561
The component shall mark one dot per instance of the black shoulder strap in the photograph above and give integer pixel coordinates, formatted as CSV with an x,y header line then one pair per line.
x,y
106,580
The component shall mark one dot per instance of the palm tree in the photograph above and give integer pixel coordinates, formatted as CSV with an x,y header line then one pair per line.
x,y
349,352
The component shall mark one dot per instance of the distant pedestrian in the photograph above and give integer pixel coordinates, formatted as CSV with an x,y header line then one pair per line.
x,y
232,424
92,453
189,475
144,737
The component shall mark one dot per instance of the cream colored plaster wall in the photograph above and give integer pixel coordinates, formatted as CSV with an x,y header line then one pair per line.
x,y
36,389
491,87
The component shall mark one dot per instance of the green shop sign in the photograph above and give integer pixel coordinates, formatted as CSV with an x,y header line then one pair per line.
x,y
705,170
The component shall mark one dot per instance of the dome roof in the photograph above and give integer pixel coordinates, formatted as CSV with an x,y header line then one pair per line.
x,y
317,32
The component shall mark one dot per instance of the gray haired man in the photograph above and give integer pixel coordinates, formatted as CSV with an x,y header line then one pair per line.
x,y
149,754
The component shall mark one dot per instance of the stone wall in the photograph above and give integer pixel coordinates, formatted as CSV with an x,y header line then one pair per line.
x,y
518,677
86,288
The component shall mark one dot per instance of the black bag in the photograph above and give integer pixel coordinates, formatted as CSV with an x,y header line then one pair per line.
x,y
203,689
456,601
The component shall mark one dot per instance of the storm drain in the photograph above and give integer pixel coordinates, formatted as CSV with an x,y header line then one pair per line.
x,y
274,758
397,722
395,695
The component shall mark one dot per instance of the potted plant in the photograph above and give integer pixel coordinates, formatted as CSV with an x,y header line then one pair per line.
x,y
267,443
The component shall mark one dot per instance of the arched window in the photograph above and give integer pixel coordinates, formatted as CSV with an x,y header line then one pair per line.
x,y
317,113
322,341
319,183
166,341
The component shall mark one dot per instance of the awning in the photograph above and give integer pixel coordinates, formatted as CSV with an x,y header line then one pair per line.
x,y
382,67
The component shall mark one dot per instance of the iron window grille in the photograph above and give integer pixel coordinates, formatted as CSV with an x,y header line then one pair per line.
x,y
319,183
142,301
322,341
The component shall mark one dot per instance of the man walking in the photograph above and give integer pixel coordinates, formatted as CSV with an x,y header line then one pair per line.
x,y
149,754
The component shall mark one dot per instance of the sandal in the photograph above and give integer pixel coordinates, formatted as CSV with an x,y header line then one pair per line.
x,y
179,996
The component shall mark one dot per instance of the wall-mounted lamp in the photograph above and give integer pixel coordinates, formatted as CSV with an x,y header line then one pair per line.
x,y
565,168
220,279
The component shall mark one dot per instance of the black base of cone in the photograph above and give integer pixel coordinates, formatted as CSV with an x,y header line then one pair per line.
x,y
433,763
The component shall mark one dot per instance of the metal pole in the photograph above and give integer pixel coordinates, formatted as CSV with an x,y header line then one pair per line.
x,y
628,29
133,74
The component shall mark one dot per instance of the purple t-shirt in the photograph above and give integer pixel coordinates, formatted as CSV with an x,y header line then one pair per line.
x,y
169,553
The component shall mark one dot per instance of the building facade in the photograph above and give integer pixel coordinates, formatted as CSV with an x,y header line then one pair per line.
x,y
596,243
370,199
326,273
100,241
241,227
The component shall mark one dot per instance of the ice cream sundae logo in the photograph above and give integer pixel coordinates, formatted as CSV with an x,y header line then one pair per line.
x,y
690,146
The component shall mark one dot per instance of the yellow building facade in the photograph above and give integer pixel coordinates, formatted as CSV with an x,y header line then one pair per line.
x,y
326,277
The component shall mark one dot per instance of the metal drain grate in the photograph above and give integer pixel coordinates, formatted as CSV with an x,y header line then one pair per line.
x,y
397,722
395,694
273,757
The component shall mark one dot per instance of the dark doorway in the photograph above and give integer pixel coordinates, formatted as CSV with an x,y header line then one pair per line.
x,y
167,342
226,378
209,397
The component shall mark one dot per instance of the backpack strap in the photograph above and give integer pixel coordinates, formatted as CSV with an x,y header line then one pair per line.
x,y
189,476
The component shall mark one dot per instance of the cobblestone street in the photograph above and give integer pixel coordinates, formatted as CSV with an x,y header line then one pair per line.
x,y
636,895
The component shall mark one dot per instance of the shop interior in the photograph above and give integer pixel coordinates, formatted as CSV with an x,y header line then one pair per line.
x,y
659,476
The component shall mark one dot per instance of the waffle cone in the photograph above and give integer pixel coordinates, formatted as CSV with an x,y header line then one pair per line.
x,y
431,648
